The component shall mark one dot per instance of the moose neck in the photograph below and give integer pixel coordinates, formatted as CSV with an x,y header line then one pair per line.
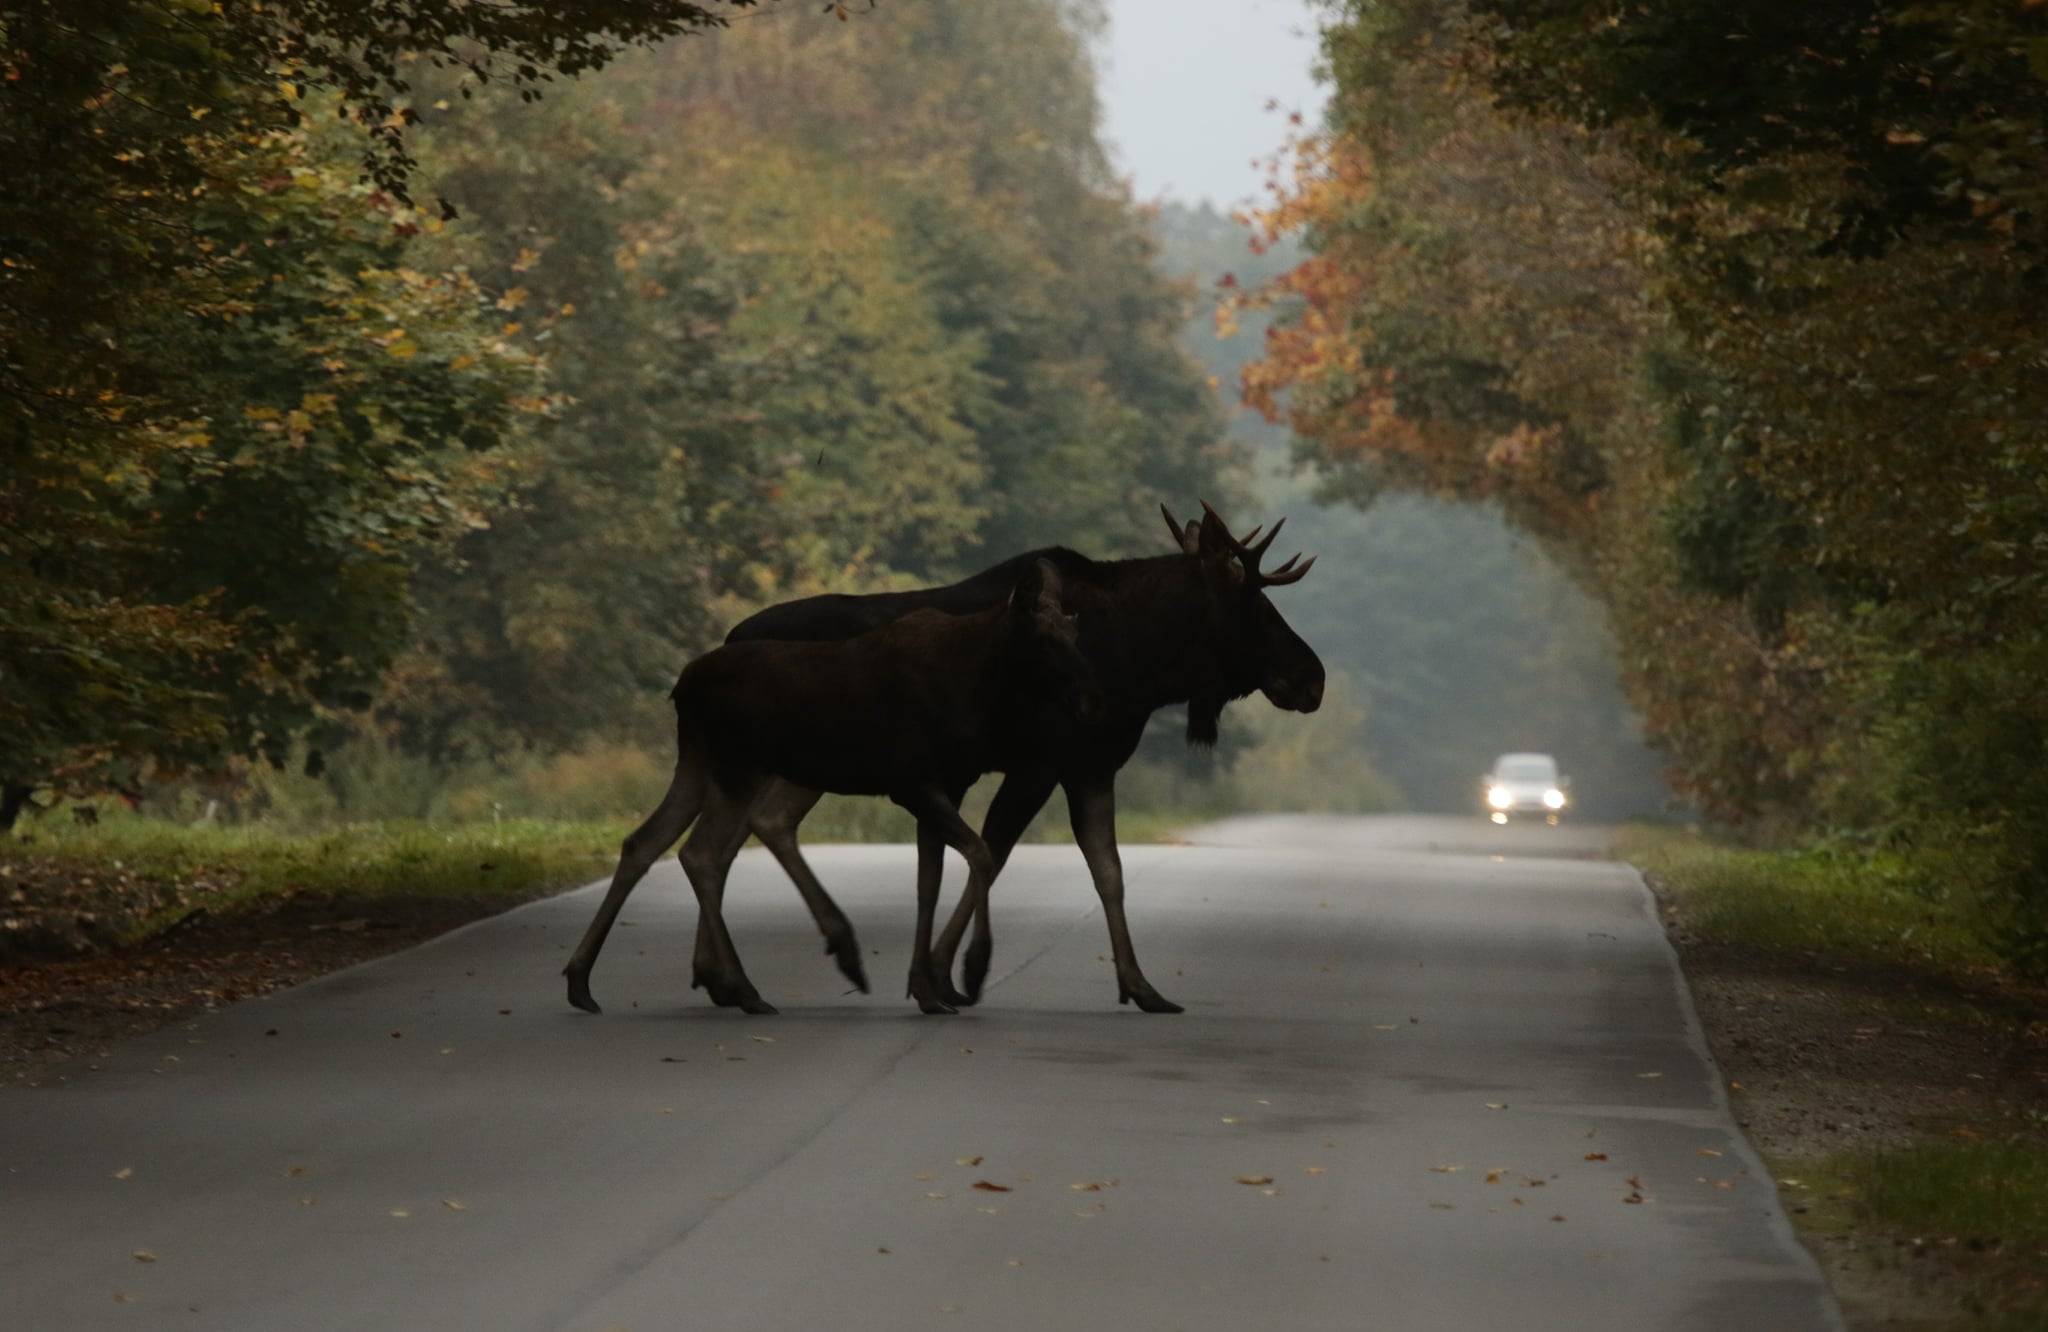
x,y
1159,638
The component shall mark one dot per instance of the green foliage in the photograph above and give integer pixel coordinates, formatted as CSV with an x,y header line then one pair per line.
x,y
806,346
1833,904
1736,307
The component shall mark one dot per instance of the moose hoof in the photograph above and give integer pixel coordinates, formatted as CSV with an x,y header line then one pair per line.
x,y
755,1006
1149,1000
579,992
933,996
846,953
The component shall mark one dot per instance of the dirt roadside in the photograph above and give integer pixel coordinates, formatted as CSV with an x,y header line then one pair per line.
x,y
1825,1061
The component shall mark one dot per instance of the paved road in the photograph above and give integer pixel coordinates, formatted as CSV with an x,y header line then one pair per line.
x,y
1419,1029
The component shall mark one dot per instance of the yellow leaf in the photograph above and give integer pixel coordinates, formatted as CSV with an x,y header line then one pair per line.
x,y
1255,1179
462,362
513,299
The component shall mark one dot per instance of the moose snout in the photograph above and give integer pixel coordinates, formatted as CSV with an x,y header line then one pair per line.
x,y
1295,694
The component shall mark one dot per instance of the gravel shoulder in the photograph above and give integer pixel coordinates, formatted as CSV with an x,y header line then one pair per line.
x,y
1827,1062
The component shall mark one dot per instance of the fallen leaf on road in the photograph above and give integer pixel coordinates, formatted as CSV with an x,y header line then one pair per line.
x,y
1633,1198
400,1213
991,1211
1792,1183
295,1172
1708,1151
1270,1193
125,1172
765,1040
1255,1179
922,1174
935,1195
1232,1119
1311,1170
1445,1207
1649,1075
1558,1217
672,1059
967,1160
1493,1176
1087,1186
122,1297
1445,1169
987,1187
1014,1262
454,1206
1724,1183
1496,1105
1596,1156
144,1256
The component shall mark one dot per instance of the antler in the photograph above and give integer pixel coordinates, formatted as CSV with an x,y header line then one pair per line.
x,y
1250,555
1187,538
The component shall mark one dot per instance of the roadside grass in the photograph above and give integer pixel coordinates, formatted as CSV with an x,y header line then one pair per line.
x,y
1975,1210
69,888
1849,907
133,877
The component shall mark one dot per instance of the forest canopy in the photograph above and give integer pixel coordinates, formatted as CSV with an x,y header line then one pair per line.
x,y
359,374
1736,308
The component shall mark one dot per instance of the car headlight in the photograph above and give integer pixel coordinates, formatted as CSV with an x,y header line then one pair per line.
x,y
1500,797
1554,798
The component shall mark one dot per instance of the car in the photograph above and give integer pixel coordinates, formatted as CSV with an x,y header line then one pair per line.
x,y
1526,785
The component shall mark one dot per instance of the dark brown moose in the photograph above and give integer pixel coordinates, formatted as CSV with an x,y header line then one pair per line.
x,y
1195,627
915,709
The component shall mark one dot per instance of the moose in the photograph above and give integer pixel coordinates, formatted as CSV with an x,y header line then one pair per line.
x,y
1194,627
916,709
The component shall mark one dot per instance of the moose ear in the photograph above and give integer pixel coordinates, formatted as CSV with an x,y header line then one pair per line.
x,y
1213,537
1049,586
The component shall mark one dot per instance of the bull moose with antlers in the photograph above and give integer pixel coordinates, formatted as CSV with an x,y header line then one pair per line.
x,y
1193,627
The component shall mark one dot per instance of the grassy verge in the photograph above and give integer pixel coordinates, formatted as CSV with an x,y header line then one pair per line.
x,y
67,889
1881,1058
1955,1233
1843,907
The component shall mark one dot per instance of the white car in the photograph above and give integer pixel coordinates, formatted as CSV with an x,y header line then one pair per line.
x,y
1526,785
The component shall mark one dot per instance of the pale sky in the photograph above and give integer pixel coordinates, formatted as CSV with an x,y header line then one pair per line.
x,y
1184,86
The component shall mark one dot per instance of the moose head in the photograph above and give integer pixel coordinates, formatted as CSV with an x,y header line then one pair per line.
x,y
1047,641
1255,648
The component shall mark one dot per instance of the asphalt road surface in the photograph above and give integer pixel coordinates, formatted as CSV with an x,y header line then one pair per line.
x,y
1455,1064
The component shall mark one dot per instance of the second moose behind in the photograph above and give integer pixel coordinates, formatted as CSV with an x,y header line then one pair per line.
x,y
913,711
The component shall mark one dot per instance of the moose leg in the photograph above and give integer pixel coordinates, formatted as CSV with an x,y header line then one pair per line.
x,y
643,846
938,820
1091,804
775,816
717,838
1017,802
